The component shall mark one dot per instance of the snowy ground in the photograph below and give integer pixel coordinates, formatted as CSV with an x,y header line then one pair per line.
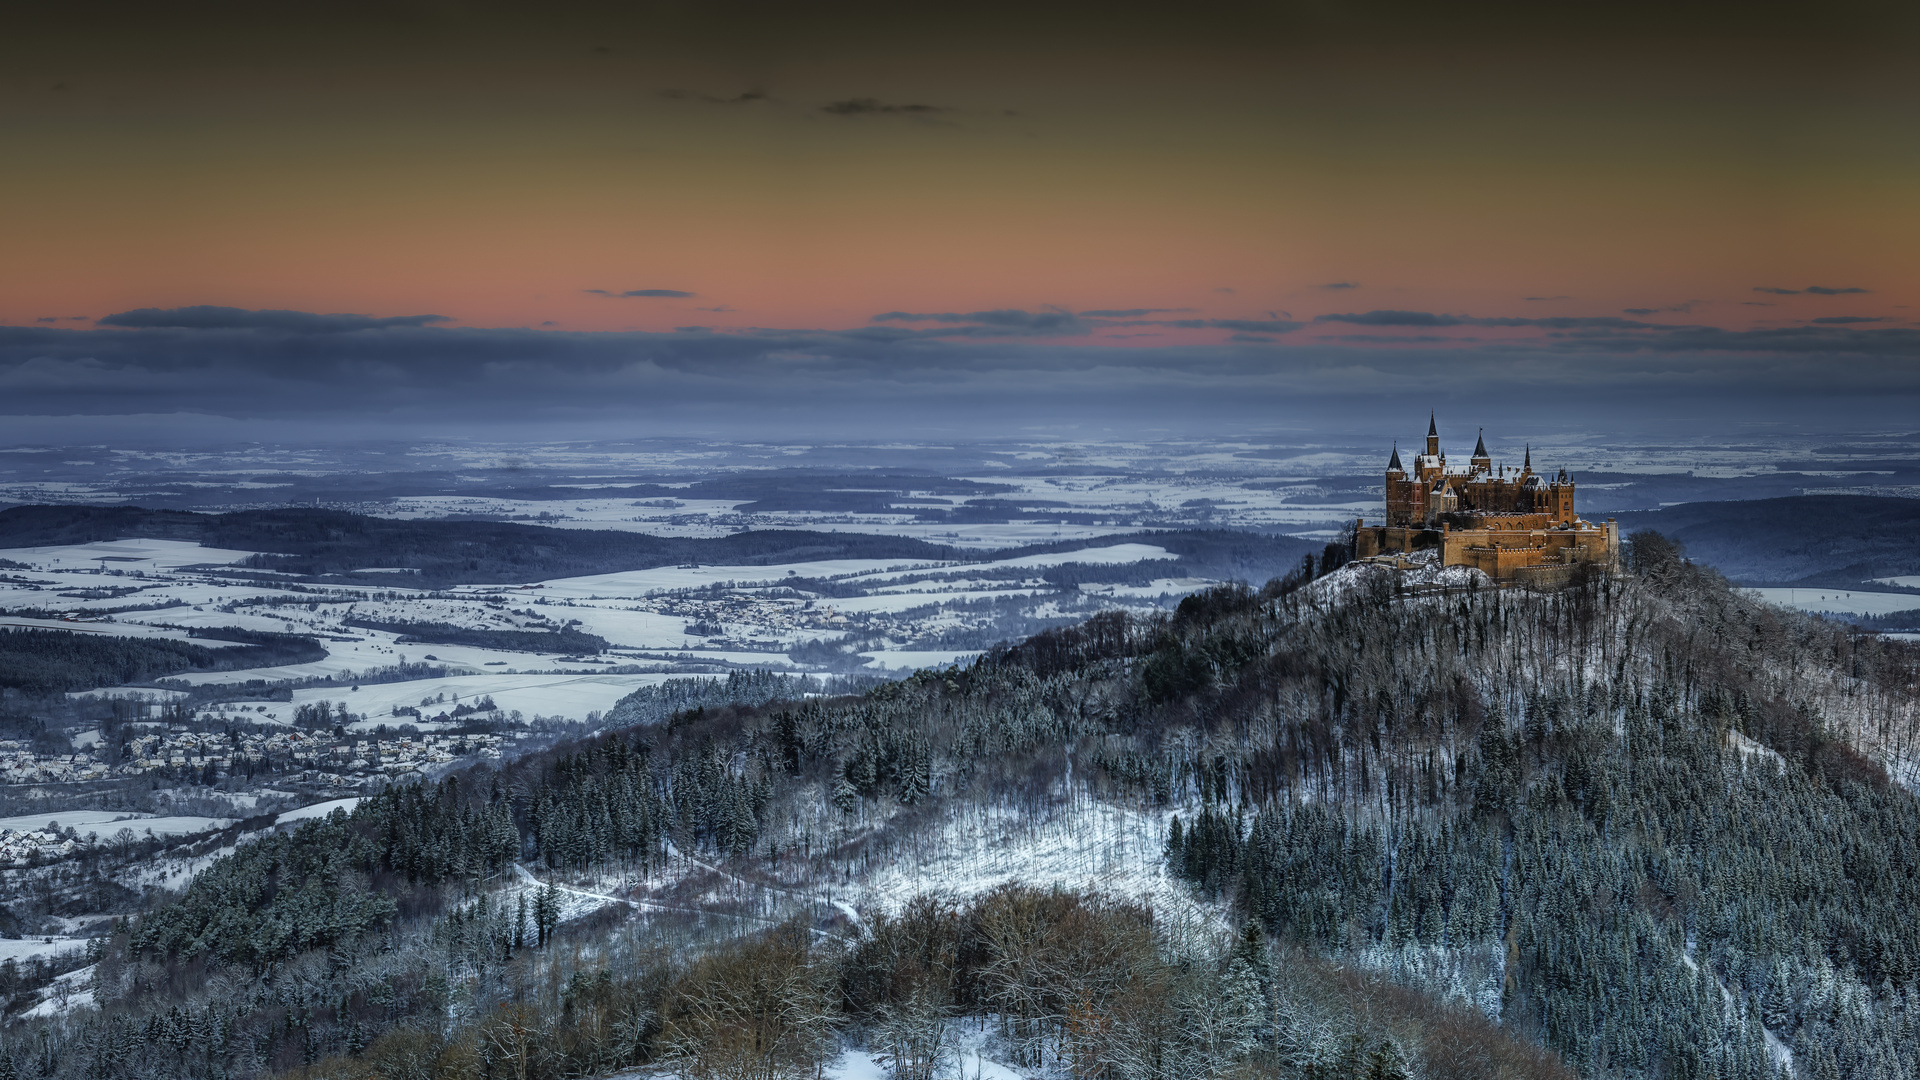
x,y
135,554
109,822
69,991
112,629
748,615
1838,601
914,659
1093,845
531,695
317,810
21,950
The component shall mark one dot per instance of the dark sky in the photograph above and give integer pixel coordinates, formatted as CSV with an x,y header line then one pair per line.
x,y
904,218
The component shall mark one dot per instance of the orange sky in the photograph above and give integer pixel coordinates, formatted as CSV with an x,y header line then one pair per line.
x,y
493,172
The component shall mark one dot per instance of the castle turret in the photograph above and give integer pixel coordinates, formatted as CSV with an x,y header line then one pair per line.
x,y
1481,461
1393,463
1526,466
1433,436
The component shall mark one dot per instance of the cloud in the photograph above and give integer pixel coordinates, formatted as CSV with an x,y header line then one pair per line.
x,y
1392,318
1822,341
745,97
1341,285
986,371
209,317
1248,326
48,318
866,106
1224,290
996,323
1816,290
1430,319
675,294
1392,339
1679,308
1844,319
1546,298
1131,313
1256,339
1776,292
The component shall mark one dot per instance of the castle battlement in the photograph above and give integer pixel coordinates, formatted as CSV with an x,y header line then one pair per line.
x,y
1514,524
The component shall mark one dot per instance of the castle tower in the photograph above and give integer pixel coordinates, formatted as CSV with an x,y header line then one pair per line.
x,y
1433,437
1393,464
1481,462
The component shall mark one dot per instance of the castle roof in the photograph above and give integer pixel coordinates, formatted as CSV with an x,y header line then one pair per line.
x,y
1433,429
1393,465
1480,448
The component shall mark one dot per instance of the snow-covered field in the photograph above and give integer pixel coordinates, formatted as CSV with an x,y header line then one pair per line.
x,y
133,554
109,822
531,695
21,950
112,629
914,659
670,620
1838,601
317,810
638,583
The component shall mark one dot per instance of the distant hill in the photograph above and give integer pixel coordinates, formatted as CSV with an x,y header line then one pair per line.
x,y
1826,540
313,542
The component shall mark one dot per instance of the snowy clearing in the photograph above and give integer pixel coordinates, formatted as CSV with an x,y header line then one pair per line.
x,y
1838,601
125,555
533,695
913,660
317,810
109,822
20,950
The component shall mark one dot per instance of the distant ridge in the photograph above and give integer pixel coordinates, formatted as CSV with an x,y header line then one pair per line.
x,y
339,544
1833,541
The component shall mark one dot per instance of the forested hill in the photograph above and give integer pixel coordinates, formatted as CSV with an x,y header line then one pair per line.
x,y
316,542
1640,828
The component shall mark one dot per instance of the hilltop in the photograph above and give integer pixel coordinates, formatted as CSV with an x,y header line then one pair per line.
x,y
1643,826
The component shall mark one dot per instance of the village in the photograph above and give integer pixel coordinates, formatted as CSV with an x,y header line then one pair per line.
x,y
313,757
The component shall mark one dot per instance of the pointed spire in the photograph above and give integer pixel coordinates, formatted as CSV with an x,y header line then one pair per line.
x,y
1528,466
1433,427
1393,464
1480,448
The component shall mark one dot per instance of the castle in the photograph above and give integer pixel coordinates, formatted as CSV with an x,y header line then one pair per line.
x,y
1514,524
